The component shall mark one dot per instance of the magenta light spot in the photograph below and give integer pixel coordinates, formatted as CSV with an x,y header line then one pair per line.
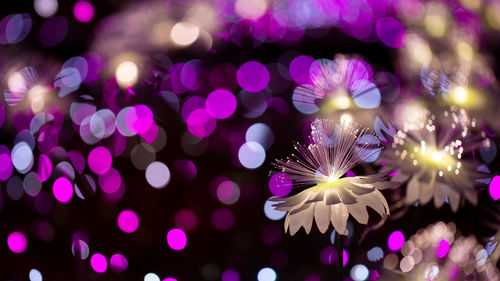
x,y
442,249
220,104
150,135
223,219
169,279
100,160
299,69
200,123
63,190
139,119
17,242
83,11
99,263
78,160
328,255
345,257
253,76
230,275
391,32
280,184
110,181
396,240
128,221
494,187
44,167
312,277
118,263
186,220
176,239
6,166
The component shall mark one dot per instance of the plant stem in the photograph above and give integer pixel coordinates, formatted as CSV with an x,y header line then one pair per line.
x,y
340,254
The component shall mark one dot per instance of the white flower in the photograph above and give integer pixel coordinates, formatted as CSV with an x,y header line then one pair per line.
x,y
335,148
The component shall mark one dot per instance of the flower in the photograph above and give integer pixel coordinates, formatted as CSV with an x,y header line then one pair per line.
x,y
429,154
335,148
338,85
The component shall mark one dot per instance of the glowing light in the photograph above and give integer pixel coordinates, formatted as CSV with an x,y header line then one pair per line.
x,y
494,188
118,263
35,275
126,73
420,51
22,157
271,213
251,155
464,51
230,275
396,240
228,192
375,254
99,263
176,239
266,274
83,11
492,14
435,25
253,76
99,160
46,8
17,243
220,104
391,32
151,277
63,190
346,119
157,175
184,33
186,220
442,249
128,221
459,95
250,9
340,101
437,157
260,133
359,272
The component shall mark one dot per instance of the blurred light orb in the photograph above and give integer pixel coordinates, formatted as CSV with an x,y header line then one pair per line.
x,y
169,279
340,101
17,243
186,220
253,76
359,272
391,32
280,184
299,69
184,33
346,119
83,11
223,219
118,263
151,277
250,9
128,221
80,249
230,275
157,175
22,157
494,188
99,263
228,192
251,155
266,274
16,82
220,104
396,240
126,73
459,95
375,254
271,213
260,133
442,249
100,160
176,239
63,190
46,8
464,51
435,25
35,275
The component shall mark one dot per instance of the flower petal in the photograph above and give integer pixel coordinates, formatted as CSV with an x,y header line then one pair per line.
x,y
302,218
427,188
346,196
454,199
332,197
339,218
412,190
359,212
322,213
440,192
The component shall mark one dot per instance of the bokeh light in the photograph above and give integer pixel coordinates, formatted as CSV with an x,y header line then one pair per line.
x,y
99,263
266,274
157,175
220,104
494,188
128,221
251,155
396,240
63,190
17,242
83,11
253,76
35,275
360,272
176,239
118,263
